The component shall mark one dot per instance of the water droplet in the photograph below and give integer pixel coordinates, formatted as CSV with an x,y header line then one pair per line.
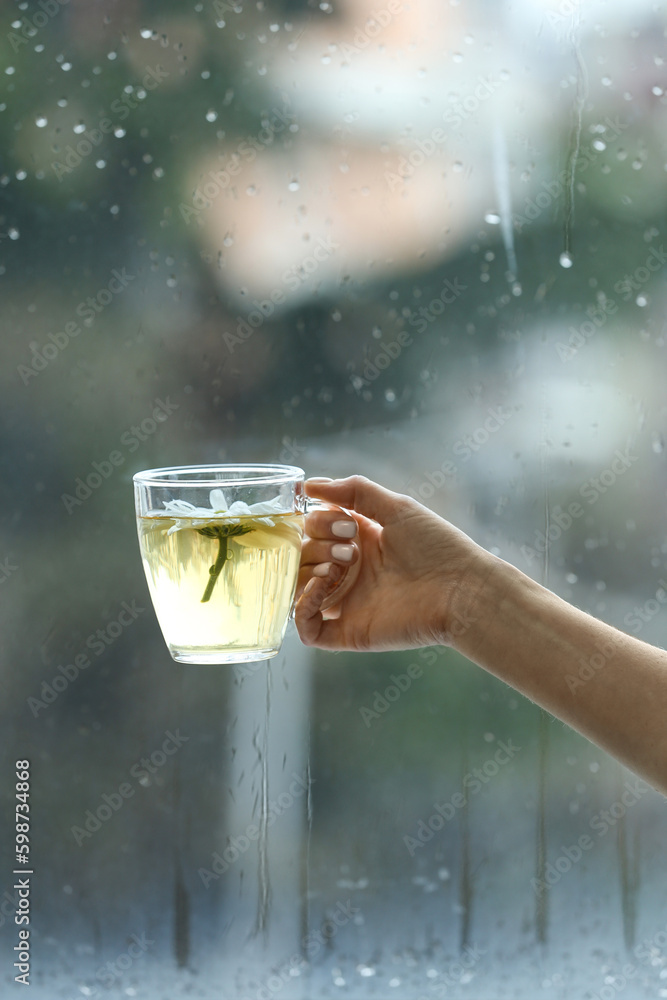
x,y
112,55
228,240
599,145
158,173
21,175
115,209
641,301
100,164
41,121
13,233
145,32
571,578
293,185
606,81
458,166
66,67
119,132
251,189
565,259
492,218
390,395
10,70
79,128
211,115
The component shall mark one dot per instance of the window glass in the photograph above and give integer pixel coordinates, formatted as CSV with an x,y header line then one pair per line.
x,y
419,241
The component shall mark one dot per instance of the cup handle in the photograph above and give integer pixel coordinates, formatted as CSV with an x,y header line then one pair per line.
x,y
309,504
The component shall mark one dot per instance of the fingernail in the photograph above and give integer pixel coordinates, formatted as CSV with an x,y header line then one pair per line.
x,y
342,552
344,529
309,586
319,479
322,569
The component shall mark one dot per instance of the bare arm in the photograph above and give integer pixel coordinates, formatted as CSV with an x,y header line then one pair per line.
x,y
607,685
418,580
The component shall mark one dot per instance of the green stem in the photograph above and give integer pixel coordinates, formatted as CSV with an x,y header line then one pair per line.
x,y
216,568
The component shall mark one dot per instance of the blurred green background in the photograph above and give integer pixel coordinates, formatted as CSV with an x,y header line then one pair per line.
x,y
167,175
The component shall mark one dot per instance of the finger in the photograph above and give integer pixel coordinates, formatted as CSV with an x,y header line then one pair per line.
x,y
330,524
312,629
314,551
360,494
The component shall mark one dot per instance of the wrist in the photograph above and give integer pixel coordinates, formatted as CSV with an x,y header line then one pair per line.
x,y
475,596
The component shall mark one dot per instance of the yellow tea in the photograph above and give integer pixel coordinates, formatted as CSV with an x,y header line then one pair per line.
x,y
222,588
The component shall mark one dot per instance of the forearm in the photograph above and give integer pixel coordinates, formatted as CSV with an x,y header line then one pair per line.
x,y
610,687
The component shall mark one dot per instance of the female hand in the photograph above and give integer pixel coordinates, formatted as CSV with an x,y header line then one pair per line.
x,y
406,568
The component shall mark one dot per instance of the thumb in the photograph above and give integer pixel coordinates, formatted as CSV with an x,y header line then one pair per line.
x,y
360,494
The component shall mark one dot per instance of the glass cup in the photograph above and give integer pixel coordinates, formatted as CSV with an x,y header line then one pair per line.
x,y
221,546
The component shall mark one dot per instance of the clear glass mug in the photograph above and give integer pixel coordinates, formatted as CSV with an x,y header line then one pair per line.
x,y
220,546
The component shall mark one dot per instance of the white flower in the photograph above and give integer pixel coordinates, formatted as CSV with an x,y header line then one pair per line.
x,y
198,517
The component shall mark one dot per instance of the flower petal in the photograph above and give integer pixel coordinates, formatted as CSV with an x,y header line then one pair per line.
x,y
178,506
274,506
217,500
239,508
